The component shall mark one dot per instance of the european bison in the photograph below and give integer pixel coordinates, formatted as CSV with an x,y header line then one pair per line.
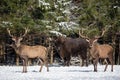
x,y
72,47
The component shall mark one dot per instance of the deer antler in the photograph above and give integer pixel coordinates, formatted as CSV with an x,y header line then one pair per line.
x,y
26,31
80,34
8,30
103,32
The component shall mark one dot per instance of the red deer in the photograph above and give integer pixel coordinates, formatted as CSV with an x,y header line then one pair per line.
x,y
72,47
26,52
102,51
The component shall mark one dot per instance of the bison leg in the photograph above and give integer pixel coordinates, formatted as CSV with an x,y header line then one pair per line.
x,y
65,61
68,61
86,59
87,63
82,62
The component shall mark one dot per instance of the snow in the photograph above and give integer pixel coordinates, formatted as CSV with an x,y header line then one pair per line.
x,y
43,3
66,12
57,33
59,17
63,24
66,3
68,25
6,23
59,73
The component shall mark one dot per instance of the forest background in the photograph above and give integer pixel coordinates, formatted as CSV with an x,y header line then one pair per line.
x,y
64,16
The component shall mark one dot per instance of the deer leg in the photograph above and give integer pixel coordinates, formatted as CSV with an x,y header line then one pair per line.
x,y
86,62
26,62
94,65
25,59
46,64
47,68
111,61
106,65
41,62
95,69
23,66
95,61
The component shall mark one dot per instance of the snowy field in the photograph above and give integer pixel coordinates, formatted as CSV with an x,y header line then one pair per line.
x,y
59,73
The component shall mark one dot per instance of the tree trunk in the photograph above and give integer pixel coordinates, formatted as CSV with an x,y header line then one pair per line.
x,y
119,53
3,51
117,49
51,56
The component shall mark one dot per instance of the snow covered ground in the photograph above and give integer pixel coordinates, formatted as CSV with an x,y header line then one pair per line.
x,y
59,73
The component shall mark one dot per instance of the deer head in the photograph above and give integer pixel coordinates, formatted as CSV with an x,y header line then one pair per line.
x,y
16,39
94,39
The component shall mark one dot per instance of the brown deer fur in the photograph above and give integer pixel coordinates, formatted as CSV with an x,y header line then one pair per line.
x,y
97,51
102,51
26,52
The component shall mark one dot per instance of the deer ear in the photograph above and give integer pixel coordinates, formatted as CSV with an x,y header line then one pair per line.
x,y
88,40
13,38
95,40
21,39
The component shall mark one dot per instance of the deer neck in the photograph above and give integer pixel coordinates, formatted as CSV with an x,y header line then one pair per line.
x,y
18,49
95,45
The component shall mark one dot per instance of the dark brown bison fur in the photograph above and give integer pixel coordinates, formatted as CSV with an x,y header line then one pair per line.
x,y
72,47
